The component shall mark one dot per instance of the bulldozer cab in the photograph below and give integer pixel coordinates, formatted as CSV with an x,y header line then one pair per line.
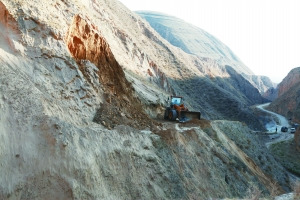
x,y
176,100
172,114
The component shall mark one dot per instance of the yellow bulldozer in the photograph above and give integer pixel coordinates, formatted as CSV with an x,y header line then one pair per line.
x,y
177,111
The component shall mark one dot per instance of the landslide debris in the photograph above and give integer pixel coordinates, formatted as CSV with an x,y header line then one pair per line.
x,y
120,106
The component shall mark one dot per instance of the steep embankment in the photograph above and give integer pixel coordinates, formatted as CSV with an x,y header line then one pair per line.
x,y
86,43
288,101
62,69
194,40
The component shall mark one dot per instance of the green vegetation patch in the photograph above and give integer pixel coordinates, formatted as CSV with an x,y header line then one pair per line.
x,y
286,153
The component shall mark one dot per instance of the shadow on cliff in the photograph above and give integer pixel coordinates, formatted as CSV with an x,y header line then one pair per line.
x,y
222,98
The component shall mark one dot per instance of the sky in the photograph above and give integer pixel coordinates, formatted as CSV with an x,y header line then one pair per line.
x,y
264,34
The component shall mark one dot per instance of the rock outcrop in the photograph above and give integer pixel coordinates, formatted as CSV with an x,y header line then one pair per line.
x,y
76,79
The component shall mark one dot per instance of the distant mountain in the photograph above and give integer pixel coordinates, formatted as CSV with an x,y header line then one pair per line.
x,y
288,101
271,94
262,83
194,40
227,98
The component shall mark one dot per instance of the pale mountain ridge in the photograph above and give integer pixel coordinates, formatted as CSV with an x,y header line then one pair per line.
x,y
194,40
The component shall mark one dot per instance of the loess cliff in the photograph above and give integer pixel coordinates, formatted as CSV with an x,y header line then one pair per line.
x,y
81,83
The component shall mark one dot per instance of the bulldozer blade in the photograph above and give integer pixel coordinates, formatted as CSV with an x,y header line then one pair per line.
x,y
191,115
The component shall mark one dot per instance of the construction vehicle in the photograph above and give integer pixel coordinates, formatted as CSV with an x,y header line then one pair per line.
x,y
185,115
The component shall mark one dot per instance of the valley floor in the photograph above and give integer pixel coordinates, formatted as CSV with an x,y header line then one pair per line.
x,y
280,122
281,144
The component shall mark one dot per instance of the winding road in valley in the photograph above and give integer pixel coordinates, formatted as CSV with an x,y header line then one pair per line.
x,y
282,121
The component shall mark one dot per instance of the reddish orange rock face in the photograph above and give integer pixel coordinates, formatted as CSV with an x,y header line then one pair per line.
x,y
85,42
9,29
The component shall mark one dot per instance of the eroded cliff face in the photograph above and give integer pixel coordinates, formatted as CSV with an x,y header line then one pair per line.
x,y
61,71
86,43
288,101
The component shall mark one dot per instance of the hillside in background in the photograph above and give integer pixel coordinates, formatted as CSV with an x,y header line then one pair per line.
x,y
196,41
193,40
223,91
271,94
288,101
83,85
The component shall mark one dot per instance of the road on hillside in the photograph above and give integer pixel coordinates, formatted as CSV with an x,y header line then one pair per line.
x,y
282,121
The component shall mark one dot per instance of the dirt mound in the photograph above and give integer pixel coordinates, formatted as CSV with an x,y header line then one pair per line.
x,y
85,42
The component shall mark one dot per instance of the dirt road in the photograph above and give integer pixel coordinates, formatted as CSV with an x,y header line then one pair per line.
x,y
282,121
